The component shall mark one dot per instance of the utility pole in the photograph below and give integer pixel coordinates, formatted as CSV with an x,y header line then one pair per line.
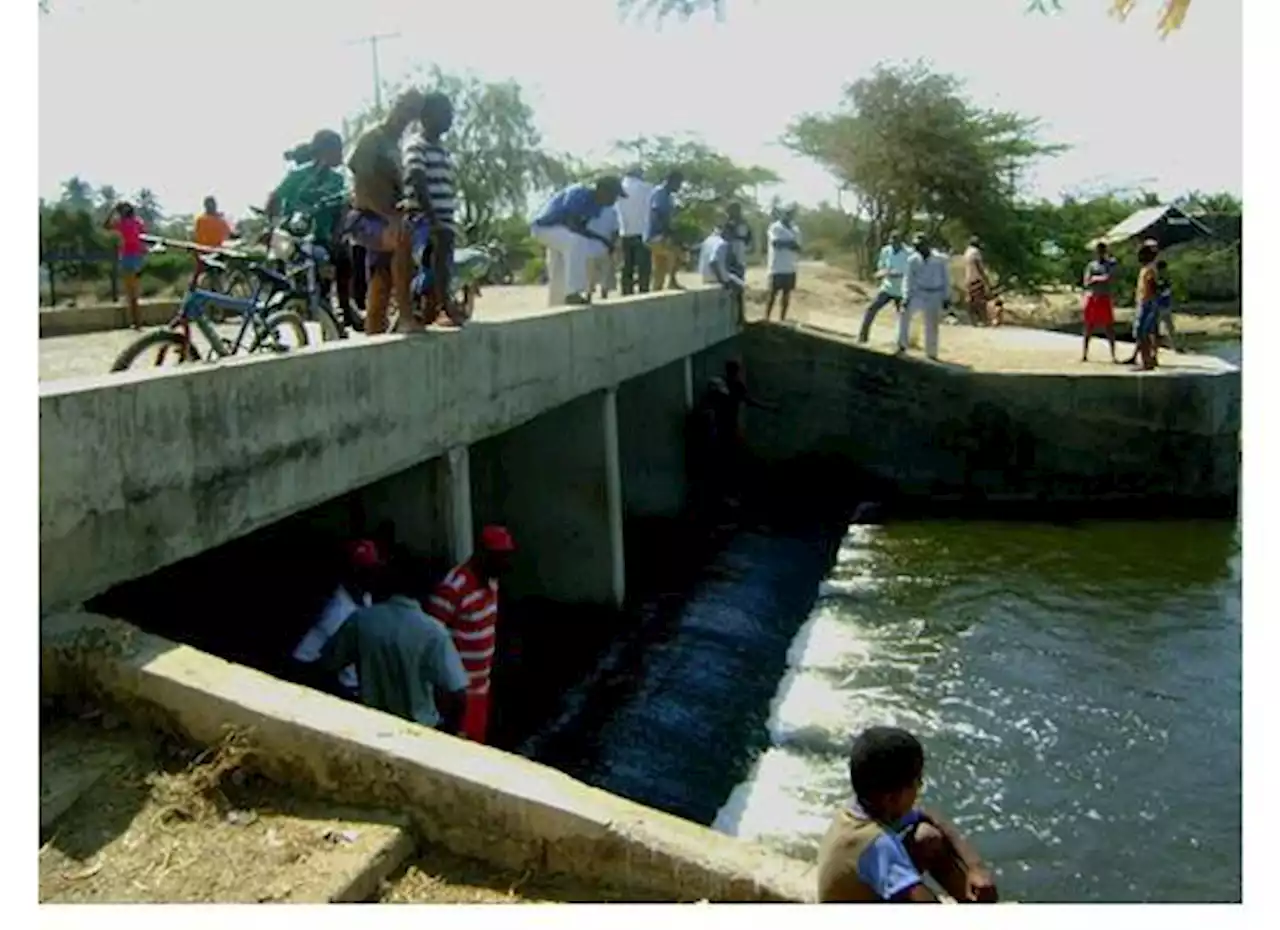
x,y
377,76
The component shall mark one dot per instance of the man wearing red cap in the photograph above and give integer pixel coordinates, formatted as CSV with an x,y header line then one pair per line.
x,y
466,602
363,560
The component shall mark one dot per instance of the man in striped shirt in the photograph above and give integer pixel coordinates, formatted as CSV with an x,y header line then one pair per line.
x,y
430,189
466,602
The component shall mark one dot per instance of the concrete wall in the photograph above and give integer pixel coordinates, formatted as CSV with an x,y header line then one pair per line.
x,y
549,481
938,432
140,470
71,321
470,799
651,437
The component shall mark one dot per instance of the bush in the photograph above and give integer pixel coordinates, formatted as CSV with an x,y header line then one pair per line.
x,y
533,270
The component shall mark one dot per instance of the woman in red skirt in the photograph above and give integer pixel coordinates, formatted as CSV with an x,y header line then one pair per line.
x,y
1099,311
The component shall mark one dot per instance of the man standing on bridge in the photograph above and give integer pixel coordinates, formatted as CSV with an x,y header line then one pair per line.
x,y
562,227
377,174
466,602
891,270
633,224
928,289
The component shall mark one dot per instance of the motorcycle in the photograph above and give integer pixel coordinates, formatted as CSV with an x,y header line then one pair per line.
x,y
291,248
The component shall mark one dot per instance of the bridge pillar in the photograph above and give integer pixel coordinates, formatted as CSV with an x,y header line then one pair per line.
x,y
652,411
457,502
556,483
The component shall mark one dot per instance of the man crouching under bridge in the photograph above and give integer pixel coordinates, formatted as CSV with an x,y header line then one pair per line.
x,y
881,845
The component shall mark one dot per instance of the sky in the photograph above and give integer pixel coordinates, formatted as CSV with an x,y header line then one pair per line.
x,y
189,109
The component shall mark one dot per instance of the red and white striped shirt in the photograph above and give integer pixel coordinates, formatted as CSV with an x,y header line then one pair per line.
x,y
470,611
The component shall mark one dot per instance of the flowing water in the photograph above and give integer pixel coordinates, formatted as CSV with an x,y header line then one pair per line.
x,y
1076,687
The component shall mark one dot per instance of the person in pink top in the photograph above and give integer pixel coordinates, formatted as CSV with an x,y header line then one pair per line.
x,y
129,227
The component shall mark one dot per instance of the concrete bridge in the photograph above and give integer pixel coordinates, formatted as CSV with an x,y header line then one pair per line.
x,y
560,423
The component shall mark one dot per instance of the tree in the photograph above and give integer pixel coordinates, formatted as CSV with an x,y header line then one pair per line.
x,y
711,179
496,148
77,194
108,197
148,208
915,154
1172,12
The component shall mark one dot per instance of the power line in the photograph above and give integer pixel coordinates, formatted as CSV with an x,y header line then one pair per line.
x,y
372,42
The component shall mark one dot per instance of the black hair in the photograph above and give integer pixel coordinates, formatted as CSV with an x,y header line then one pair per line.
x,y
883,760
732,367
1146,253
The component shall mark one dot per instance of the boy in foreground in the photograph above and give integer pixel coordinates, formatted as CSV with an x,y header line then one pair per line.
x,y
880,845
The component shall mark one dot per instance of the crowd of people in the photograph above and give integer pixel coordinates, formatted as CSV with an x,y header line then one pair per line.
x,y
426,659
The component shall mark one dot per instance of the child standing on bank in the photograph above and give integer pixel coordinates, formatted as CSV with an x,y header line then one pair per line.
x,y
1145,300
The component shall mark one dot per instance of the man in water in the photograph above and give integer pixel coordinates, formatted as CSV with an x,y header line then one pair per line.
x,y
928,289
562,227
977,282
880,845
891,270
784,259
406,661
1099,311
378,180
466,603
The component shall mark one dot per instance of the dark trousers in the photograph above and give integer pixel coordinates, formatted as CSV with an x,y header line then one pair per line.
x,y
876,305
637,265
350,275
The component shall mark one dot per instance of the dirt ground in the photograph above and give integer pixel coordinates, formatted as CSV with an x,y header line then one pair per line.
x,y
130,817
827,290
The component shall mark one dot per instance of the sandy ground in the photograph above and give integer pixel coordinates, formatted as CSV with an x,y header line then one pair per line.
x,y
826,297
131,816
128,816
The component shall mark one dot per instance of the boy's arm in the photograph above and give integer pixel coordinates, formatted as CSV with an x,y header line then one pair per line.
x,y
964,848
340,650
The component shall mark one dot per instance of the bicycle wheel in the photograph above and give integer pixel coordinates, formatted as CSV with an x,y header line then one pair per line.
x,y
324,317
168,346
287,328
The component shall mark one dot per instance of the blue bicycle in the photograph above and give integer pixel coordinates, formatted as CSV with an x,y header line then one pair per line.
x,y
266,325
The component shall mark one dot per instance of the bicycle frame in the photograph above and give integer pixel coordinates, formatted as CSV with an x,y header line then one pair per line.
x,y
252,311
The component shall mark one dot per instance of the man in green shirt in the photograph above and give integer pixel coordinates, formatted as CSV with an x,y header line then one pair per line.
x,y
315,187
406,661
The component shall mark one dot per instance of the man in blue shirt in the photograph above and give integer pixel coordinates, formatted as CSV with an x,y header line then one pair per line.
x,y
891,270
562,226
660,237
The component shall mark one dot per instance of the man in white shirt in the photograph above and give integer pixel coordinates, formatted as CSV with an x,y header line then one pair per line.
x,y
633,225
601,268
364,559
928,289
716,264
784,257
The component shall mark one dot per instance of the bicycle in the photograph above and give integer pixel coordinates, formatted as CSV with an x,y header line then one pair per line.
x,y
262,311
291,246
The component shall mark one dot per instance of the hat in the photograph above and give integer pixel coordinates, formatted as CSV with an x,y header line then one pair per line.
x,y
363,553
612,184
497,539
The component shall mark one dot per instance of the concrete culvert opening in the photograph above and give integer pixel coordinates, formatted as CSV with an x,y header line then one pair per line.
x,y
252,600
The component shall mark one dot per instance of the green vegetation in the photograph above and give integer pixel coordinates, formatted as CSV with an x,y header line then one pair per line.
x,y
1172,12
